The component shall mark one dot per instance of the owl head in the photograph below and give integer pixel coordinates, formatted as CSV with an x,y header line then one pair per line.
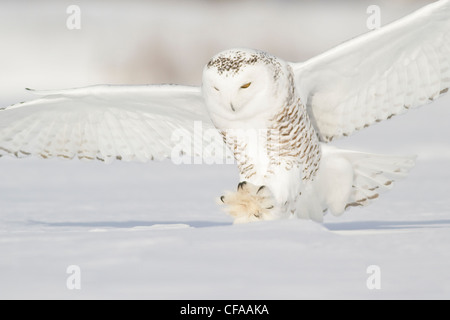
x,y
244,86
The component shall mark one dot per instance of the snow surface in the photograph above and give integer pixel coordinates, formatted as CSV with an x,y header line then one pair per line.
x,y
154,231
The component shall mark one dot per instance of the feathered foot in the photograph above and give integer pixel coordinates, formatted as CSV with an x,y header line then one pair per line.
x,y
249,203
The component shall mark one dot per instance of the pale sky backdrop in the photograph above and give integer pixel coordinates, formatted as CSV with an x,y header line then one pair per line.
x,y
136,42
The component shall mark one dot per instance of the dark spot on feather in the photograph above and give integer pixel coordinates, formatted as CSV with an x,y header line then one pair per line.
x,y
353,204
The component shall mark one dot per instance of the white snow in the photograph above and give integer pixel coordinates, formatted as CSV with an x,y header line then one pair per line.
x,y
154,230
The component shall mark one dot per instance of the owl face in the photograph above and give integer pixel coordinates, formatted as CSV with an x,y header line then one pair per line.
x,y
243,85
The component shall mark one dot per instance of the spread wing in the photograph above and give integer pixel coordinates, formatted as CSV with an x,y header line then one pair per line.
x,y
379,74
105,122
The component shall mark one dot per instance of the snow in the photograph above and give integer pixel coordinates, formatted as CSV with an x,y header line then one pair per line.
x,y
154,231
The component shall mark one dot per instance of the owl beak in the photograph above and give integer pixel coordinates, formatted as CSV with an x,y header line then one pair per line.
x,y
232,107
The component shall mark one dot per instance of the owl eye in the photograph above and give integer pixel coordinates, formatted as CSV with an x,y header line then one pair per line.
x,y
216,89
245,86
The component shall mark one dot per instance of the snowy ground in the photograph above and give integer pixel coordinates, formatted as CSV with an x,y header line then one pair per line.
x,y
154,231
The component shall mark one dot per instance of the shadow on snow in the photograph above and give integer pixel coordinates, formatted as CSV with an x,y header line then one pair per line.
x,y
386,225
128,224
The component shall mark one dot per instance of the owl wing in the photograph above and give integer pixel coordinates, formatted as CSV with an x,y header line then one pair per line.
x,y
105,122
378,75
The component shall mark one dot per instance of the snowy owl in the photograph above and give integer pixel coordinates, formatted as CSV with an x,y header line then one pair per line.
x,y
276,118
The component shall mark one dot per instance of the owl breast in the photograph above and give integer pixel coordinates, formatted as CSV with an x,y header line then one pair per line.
x,y
285,156
287,140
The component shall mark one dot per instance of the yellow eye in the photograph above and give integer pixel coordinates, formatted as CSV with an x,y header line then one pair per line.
x,y
245,86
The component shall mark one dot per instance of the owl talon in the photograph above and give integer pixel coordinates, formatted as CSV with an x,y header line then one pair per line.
x,y
249,203
260,188
241,185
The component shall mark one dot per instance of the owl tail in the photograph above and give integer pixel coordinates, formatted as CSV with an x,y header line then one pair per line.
x,y
366,175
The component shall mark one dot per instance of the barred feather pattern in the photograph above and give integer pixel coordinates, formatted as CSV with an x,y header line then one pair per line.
x,y
290,141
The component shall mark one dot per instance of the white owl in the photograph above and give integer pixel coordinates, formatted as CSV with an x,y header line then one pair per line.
x,y
275,116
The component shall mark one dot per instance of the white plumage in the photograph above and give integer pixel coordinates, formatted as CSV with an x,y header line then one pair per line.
x,y
379,74
105,122
275,116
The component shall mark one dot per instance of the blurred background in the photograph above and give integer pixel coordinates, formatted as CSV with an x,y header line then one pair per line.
x,y
145,42
137,42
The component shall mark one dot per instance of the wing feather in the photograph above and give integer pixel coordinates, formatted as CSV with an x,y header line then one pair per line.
x,y
379,74
105,122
